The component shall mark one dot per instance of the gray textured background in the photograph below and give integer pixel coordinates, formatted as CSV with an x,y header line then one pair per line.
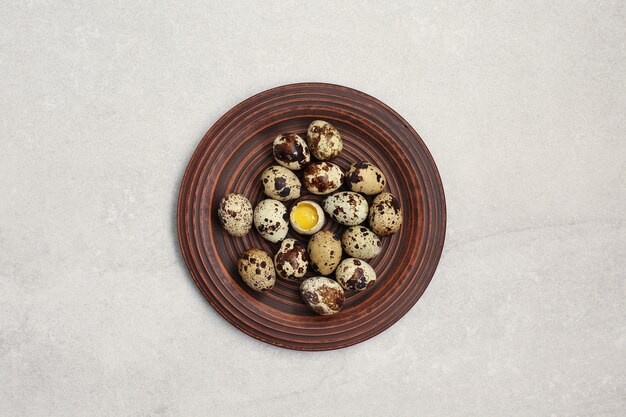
x,y
522,106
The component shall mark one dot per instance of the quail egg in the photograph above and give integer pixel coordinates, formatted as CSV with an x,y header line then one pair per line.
x,y
235,214
324,251
363,177
360,242
271,220
291,260
323,177
385,215
324,140
280,183
257,270
322,295
307,217
347,208
355,274
291,151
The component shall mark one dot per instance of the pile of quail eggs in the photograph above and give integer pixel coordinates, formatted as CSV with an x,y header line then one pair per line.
x,y
325,250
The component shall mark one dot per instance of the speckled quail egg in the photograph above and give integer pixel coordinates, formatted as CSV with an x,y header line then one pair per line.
x,y
347,208
291,260
322,295
355,274
280,183
291,151
324,140
257,270
361,242
323,177
235,214
271,220
363,177
324,251
385,215
307,217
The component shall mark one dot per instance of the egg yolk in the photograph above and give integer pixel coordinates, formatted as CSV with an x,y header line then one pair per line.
x,y
305,215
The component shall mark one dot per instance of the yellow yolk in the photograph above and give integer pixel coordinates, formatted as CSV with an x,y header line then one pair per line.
x,y
306,216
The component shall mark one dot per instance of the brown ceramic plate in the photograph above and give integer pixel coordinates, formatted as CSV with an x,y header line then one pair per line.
x,y
231,157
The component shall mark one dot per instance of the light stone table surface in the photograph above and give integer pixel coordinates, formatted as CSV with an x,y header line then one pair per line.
x,y
522,105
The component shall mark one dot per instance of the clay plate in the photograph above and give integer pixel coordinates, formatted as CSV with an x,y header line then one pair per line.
x,y
231,157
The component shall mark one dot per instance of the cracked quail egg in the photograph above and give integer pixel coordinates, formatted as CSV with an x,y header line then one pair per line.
x,y
360,242
355,274
347,208
291,260
324,140
280,183
324,251
271,220
291,151
323,177
363,177
385,215
235,214
306,217
257,270
322,295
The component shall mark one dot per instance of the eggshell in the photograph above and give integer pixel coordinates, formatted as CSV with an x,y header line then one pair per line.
x,y
257,270
363,177
360,242
324,140
271,220
324,251
322,295
323,177
235,214
385,215
347,208
291,260
355,274
291,151
280,183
